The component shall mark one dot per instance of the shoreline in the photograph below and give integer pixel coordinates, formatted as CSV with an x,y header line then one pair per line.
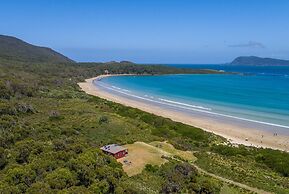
x,y
233,133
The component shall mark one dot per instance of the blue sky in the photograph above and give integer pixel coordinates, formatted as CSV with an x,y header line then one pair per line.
x,y
152,31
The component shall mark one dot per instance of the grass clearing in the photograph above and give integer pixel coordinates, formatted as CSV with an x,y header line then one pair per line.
x,y
185,155
140,154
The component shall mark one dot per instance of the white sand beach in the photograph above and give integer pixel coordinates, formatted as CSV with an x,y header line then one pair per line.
x,y
233,133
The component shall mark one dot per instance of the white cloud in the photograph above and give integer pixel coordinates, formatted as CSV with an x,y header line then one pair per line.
x,y
250,44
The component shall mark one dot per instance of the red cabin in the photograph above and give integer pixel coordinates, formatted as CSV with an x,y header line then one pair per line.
x,y
115,150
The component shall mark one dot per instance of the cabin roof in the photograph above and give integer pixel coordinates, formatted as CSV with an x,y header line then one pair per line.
x,y
113,148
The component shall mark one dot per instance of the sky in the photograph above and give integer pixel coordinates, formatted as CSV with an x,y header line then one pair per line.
x,y
152,31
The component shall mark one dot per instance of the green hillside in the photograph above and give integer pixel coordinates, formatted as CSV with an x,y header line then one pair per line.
x,y
12,48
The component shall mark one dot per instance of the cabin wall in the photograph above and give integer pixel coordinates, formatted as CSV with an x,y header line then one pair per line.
x,y
120,154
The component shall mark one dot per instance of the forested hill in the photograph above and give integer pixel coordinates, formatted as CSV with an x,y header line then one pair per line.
x,y
258,61
132,68
18,50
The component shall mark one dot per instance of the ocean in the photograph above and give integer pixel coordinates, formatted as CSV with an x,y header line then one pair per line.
x,y
260,95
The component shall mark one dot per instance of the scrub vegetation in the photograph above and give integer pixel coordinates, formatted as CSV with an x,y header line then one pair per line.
x,y
50,134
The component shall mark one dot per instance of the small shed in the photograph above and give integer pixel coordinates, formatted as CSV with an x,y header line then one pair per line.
x,y
115,150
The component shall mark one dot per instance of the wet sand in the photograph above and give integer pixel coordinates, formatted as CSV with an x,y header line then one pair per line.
x,y
235,133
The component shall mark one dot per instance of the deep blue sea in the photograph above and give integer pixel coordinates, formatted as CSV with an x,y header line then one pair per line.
x,y
261,94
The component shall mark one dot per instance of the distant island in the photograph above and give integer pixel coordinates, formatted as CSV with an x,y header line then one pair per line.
x,y
258,61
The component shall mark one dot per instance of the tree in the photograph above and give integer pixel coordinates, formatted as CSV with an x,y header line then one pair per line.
x,y
22,176
100,187
39,187
76,190
5,188
3,158
61,178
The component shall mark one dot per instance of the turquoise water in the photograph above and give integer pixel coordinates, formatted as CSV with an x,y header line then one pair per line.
x,y
262,96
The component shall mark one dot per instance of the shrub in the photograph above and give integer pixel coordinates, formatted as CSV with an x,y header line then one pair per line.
x,y
151,168
3,158
55,115
103,119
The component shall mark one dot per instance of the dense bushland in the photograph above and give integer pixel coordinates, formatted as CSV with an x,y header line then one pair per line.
x,y
50,133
